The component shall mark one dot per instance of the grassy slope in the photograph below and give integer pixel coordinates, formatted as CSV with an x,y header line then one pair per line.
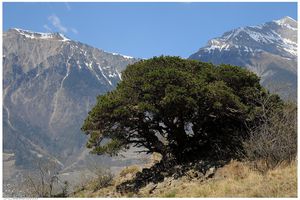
x,y
233,180
238,180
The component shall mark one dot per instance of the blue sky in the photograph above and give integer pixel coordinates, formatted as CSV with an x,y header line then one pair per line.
x,y
142,30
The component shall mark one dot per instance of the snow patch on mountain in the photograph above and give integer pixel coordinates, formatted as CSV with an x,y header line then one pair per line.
x,y
119,74
40,35
287,22
101,70
64,38
124,56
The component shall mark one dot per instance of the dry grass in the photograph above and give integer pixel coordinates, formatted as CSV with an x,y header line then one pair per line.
x,y
128,171
239,180
236,179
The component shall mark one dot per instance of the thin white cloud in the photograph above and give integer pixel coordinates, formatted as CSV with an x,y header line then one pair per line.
x,y
68,6
56,25
74,30
55,21
47,28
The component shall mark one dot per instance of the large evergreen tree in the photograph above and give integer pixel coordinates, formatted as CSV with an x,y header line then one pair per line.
x,y
182,109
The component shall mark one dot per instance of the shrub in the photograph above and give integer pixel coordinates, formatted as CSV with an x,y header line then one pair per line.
x,y
274,140
45,181
103,179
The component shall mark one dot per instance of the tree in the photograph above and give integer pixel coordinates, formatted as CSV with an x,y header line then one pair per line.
x,y
182,109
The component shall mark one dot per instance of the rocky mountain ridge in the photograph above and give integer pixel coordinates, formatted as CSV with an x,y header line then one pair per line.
x,y
269,50
49,84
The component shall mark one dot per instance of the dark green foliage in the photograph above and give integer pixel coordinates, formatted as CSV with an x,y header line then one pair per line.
x,y
180,108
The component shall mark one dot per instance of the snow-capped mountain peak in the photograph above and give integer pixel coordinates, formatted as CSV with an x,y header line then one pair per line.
x,y
106,67
286,21
268,49
278,36
40,35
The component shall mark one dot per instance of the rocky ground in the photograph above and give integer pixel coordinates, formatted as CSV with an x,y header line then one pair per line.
x,y
162,172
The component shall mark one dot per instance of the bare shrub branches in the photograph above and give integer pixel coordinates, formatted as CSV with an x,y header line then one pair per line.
x,y
45,182
274,139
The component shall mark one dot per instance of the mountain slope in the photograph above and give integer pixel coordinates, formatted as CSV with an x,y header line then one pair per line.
x,y
269,50
49,84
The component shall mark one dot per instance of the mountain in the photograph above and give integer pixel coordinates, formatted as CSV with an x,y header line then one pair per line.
x,y
269,50
49,84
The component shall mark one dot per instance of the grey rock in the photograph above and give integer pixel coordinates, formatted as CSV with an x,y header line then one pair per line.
x,y
210,172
